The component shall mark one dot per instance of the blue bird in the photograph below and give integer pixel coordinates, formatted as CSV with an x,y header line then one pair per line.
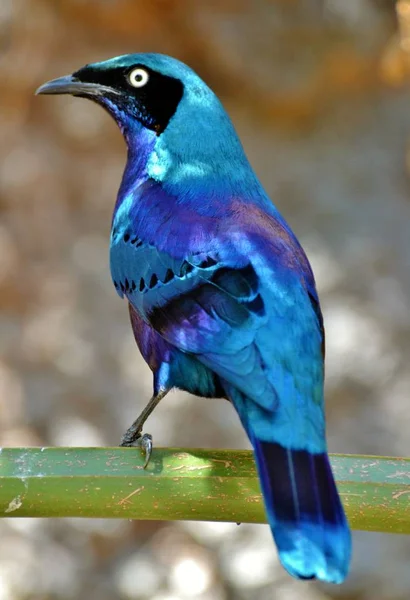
x,y
221,295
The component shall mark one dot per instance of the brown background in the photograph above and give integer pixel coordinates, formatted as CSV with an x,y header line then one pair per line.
x,y
318,92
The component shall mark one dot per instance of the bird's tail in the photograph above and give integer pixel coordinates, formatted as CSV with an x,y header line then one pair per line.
x,y
304,511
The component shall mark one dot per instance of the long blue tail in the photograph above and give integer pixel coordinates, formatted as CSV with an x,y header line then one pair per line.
x,y
304,511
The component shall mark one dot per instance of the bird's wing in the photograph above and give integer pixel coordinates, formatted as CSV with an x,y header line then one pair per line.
x,y
249,312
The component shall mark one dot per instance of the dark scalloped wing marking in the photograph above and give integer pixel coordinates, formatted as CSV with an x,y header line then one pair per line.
x,y
231,294
169,276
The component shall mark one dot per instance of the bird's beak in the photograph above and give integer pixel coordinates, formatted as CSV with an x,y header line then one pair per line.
x,y
71,85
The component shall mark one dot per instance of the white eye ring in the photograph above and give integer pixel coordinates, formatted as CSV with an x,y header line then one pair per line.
x,y
138,77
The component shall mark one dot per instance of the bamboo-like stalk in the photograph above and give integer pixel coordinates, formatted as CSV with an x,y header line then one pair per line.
x,y
214,485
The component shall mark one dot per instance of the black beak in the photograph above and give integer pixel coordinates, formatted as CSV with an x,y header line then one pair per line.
x,y
71,85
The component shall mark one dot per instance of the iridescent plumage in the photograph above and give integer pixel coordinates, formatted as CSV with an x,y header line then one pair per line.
x,y
222,297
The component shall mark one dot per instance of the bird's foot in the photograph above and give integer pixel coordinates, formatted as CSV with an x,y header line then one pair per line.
x,y
134,436
144,441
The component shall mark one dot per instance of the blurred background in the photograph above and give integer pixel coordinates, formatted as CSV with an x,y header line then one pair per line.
x,y
318,90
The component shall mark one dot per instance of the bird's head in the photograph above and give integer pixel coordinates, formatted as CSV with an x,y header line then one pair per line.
x,y
164,109
148,89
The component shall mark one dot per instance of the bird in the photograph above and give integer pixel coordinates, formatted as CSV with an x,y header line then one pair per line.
x,y
221,295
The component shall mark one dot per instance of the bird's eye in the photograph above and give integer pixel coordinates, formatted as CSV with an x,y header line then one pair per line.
x,y
138,77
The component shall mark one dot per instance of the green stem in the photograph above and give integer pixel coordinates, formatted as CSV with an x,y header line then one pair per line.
x,y
214,485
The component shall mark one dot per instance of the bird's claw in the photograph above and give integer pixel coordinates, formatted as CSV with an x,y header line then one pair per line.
x,y
144,441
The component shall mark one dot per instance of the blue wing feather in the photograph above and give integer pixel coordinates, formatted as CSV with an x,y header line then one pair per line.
x,y
252,301
245,318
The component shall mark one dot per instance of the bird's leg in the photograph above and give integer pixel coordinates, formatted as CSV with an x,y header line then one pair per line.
x,y
134,437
